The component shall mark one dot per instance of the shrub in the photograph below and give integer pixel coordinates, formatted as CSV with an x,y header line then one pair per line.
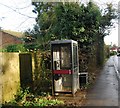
x,y
25,98
15,48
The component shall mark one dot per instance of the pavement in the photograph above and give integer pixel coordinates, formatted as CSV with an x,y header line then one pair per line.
x,y
105,91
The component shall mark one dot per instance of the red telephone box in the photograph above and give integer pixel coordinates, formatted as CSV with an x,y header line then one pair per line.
x,y
65,66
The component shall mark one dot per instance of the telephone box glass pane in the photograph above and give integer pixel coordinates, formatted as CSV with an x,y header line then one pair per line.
x,y
63,82
56,58
65,57
75,55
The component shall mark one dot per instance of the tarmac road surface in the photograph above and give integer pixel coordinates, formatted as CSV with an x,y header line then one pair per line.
x,y
105,91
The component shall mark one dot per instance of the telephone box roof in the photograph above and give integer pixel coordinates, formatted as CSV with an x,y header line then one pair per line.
x,y
63,41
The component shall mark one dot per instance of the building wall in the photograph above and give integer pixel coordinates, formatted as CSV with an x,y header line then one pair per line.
x,y
8,39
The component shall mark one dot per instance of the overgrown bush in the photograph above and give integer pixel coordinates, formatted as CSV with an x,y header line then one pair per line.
x,y
113,53
107,51
15,48
42,74
26,98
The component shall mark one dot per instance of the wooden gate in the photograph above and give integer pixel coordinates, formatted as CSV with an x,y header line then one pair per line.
x,y
25,70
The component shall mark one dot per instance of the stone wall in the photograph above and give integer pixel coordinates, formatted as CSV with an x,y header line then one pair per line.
x,y
24,70
10,75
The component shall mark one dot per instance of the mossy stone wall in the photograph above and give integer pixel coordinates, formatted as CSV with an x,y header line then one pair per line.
x,y
10,75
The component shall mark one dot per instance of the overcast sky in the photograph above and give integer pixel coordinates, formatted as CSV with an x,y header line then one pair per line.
x,y
17,15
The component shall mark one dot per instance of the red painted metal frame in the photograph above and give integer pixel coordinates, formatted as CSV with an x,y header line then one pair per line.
x,y
62,71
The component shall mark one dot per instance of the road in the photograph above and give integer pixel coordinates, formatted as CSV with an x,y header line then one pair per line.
x,y
105,91
116,60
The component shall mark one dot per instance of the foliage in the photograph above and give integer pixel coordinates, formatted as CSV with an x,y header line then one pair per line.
x,y
86,86
21,94
68,21
31,47
86,24
3,50
45,19
15,48
77,22
106,21
113,53
71,21
42,75
25,98
107,51
43,102
104,29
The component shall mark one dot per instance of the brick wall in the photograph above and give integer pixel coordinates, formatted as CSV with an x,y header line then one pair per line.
x,y
8,39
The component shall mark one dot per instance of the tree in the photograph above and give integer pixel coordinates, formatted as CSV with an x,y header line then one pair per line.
x,y
45,21
86,24
104,30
